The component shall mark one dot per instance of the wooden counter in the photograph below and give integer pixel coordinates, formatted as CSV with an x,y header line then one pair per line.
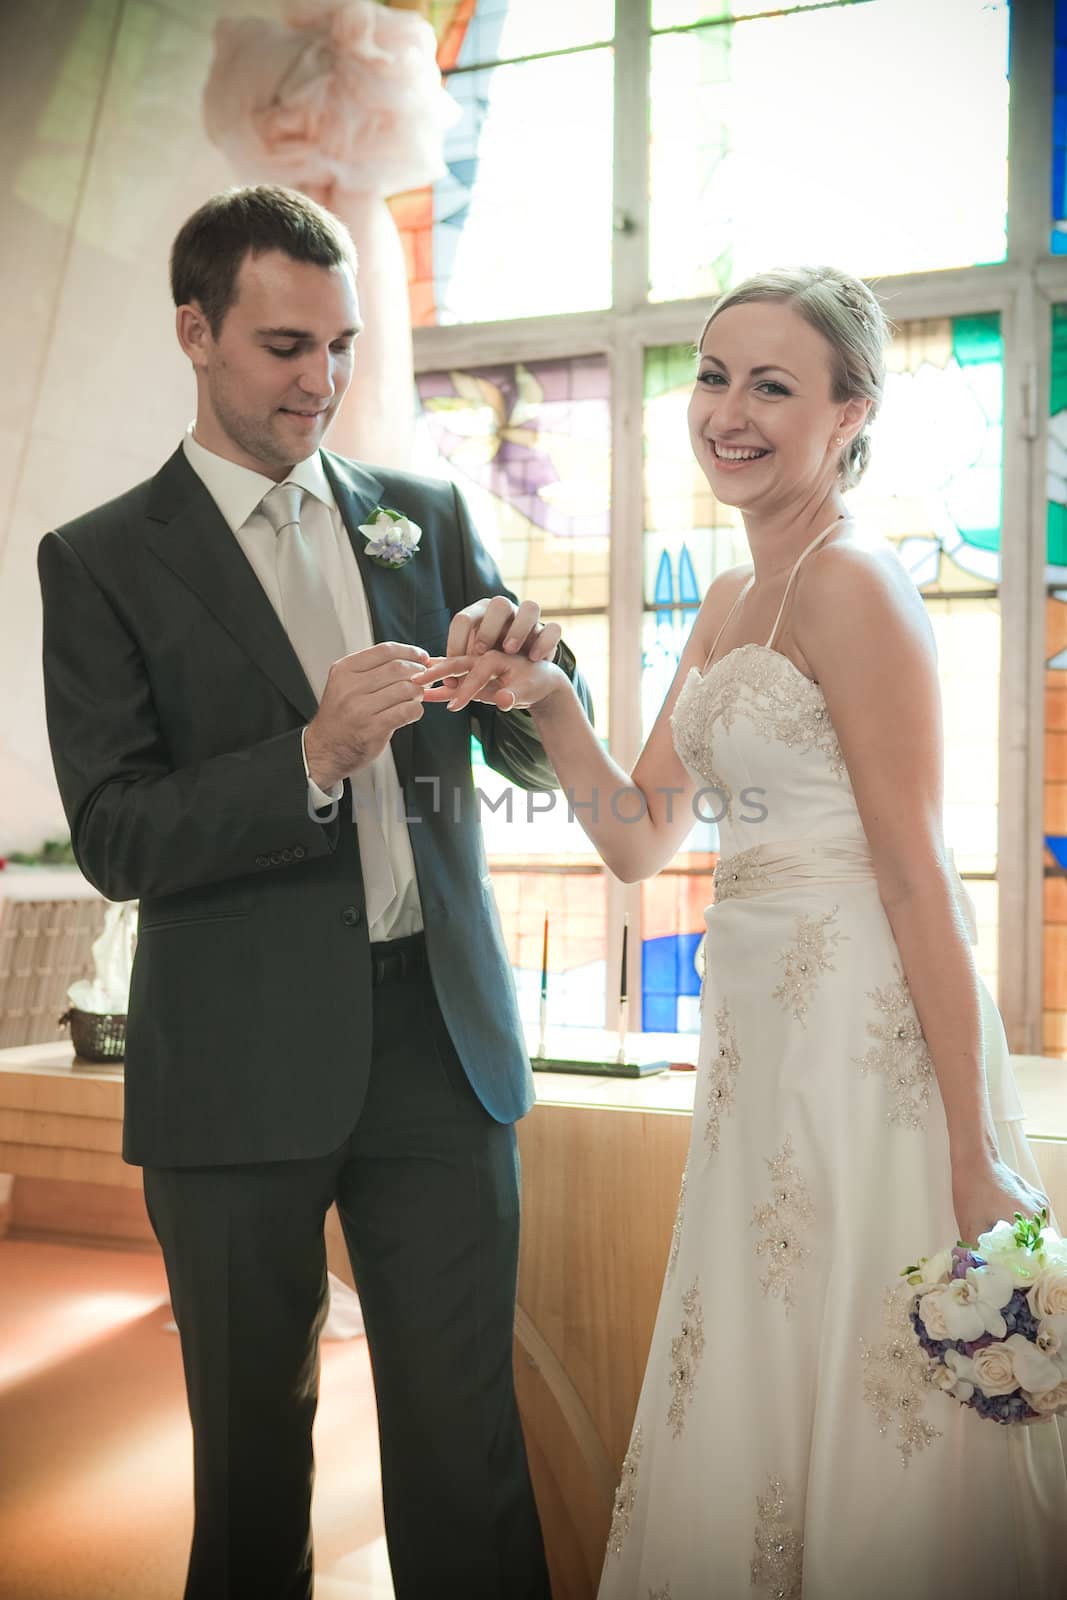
x,y
601,1162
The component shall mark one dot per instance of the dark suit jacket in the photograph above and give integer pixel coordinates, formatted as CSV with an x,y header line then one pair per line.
x,y
175,704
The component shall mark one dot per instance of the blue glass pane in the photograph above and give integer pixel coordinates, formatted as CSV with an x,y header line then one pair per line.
x,y
1059,136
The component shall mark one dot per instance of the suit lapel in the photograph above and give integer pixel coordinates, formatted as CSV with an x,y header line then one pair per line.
x,y
188,533
390,591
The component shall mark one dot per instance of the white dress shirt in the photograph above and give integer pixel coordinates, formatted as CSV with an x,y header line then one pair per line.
x,y
237,491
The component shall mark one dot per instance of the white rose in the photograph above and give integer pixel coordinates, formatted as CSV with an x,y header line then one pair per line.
x,y
1033,1368
932,1313
1049,1401
1048,1296
994,1369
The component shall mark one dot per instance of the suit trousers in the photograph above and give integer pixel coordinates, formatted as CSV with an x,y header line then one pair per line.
x,y
426,1186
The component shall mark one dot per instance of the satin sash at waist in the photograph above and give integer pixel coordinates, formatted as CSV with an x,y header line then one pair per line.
x,y
796,863
791,863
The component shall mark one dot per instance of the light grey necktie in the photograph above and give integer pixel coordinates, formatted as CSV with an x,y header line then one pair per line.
x,y
314,630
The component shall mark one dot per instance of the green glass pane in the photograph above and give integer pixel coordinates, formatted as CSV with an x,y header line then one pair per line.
x,y
977,339
672,366
747,163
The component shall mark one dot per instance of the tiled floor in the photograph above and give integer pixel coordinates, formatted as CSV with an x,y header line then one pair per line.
x,y
95,1447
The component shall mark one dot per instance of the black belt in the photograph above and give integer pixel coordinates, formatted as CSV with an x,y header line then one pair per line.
x,y
394,959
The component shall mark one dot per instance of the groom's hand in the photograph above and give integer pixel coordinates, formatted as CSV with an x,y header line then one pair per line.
x,y
368,696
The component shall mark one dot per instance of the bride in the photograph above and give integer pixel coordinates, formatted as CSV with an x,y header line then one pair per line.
x,y
853,1099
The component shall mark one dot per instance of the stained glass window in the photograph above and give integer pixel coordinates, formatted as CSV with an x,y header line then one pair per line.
x,y
1059,135
933,491
529,447
747,163
690,538
520,225
1055,819
502,30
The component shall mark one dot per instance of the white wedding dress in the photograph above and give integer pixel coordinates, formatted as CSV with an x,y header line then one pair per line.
x,y
785,1444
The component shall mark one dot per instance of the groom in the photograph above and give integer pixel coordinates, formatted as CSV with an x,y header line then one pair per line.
x,y
322,1008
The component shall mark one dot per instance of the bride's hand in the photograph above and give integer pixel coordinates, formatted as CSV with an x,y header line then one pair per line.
x,y
506,681
982,1196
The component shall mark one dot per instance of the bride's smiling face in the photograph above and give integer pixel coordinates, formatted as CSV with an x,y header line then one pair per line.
x,y
762,417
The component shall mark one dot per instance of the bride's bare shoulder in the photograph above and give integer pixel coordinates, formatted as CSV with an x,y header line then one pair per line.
x,y
862,588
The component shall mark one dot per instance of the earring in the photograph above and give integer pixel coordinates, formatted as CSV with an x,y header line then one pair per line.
x,y
839,440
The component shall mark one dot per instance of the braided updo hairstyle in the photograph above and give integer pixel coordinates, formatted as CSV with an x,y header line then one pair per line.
x,y
852,322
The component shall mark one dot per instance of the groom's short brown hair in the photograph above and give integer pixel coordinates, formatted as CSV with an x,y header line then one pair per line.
x,y
207,254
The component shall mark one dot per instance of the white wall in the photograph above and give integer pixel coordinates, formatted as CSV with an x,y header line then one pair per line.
x,y
103,158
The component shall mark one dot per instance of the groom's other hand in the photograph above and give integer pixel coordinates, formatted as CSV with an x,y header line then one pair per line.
x,y
368,696
498,623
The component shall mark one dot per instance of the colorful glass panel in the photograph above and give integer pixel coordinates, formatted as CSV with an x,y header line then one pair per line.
x,y
739,177
672,926
933,491
1059,135
1055,806
528,445
520,224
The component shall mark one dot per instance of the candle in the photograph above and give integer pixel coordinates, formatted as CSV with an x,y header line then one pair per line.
x,y
544,992
624,1003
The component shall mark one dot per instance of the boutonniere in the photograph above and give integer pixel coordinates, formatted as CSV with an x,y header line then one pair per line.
x,y
392,539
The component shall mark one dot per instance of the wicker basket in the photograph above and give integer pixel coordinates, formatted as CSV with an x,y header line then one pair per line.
x,y
96,1036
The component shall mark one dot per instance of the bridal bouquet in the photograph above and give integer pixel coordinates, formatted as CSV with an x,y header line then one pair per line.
x,y
993,1320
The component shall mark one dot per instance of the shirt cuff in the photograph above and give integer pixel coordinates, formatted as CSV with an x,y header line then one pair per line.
x,y
319,798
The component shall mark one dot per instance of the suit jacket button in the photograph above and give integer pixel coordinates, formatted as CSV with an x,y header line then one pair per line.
x,y
262,861
350,916
275,858
287,855
299,852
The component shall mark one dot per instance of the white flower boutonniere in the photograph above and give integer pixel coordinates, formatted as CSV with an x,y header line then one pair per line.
x,y
392,539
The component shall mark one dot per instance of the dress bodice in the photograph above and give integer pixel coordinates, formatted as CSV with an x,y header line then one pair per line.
x,y
756,729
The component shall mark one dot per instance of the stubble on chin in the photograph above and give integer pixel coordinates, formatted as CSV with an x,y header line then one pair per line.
x,y
261,441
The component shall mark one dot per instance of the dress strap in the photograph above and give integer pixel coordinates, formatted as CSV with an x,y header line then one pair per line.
x,y
740,596
819,537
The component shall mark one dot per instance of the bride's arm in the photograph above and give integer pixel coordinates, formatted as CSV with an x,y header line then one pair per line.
x,y
636,821
863,628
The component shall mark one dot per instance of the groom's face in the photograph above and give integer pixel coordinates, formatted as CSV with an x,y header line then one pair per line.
x,y
270,383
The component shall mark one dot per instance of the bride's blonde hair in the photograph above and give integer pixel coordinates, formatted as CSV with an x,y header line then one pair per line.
x,y
852,322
